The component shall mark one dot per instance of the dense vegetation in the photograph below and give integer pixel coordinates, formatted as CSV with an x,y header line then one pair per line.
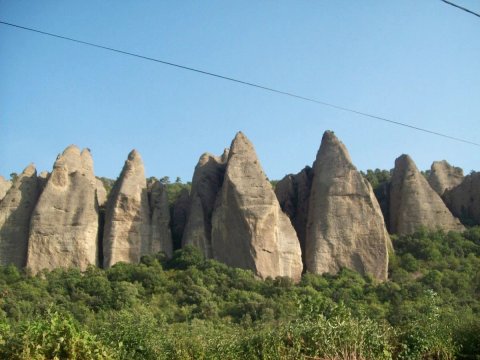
x,y
191,308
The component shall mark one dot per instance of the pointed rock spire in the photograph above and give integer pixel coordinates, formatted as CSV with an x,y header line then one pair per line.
x,y
414,204
206,183
345,226
249,230
64,225
444,176
15,213
127,216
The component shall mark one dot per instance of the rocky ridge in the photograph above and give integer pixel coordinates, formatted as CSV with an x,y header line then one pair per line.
x,y
321,219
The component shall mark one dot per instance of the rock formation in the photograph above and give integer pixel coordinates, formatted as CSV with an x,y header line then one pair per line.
x,y
444,176
206,183
293,193
464,199
414,204
160,235
249,230
4,186
64,224
101,192
15,212
127,217
180,210
42,180
345,225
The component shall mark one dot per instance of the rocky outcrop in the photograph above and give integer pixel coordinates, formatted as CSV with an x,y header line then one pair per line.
x,y
206,183
293,193
101,192
42,180
444,176
345,225
180,209
160,235
414,204
4,186
127,216
249,229
64,224
464,199
15,213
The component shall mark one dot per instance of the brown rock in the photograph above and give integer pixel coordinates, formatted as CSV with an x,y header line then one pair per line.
x,y
4,186
293,193
180,210
414,204
160,235
127,217
345,224
249,230
464,199
444,176
101,192
64,224
206,183
15,212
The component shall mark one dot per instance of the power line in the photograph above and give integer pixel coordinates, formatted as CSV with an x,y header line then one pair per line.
x,y
460,7
246,83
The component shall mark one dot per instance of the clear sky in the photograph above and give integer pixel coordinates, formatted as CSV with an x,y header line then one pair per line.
x,y
412,61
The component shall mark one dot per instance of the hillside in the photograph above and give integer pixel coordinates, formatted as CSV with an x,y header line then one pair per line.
x,y
192,308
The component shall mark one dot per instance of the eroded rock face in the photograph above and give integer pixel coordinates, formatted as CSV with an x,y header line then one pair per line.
x,y
127,217
15,212
444,176
464,199
179,219
64,224
293,193
345,225
414,204
160,235
4,186
206,183
249,229
101,192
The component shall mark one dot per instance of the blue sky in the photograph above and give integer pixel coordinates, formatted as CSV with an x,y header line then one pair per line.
x,y
412,61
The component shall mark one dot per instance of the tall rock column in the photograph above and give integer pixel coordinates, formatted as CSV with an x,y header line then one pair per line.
x,y
345,225
127,217
206,183
64,225
414,204
15,211
249,230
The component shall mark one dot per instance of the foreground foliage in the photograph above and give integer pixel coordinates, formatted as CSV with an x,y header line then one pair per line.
x,y
191,308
